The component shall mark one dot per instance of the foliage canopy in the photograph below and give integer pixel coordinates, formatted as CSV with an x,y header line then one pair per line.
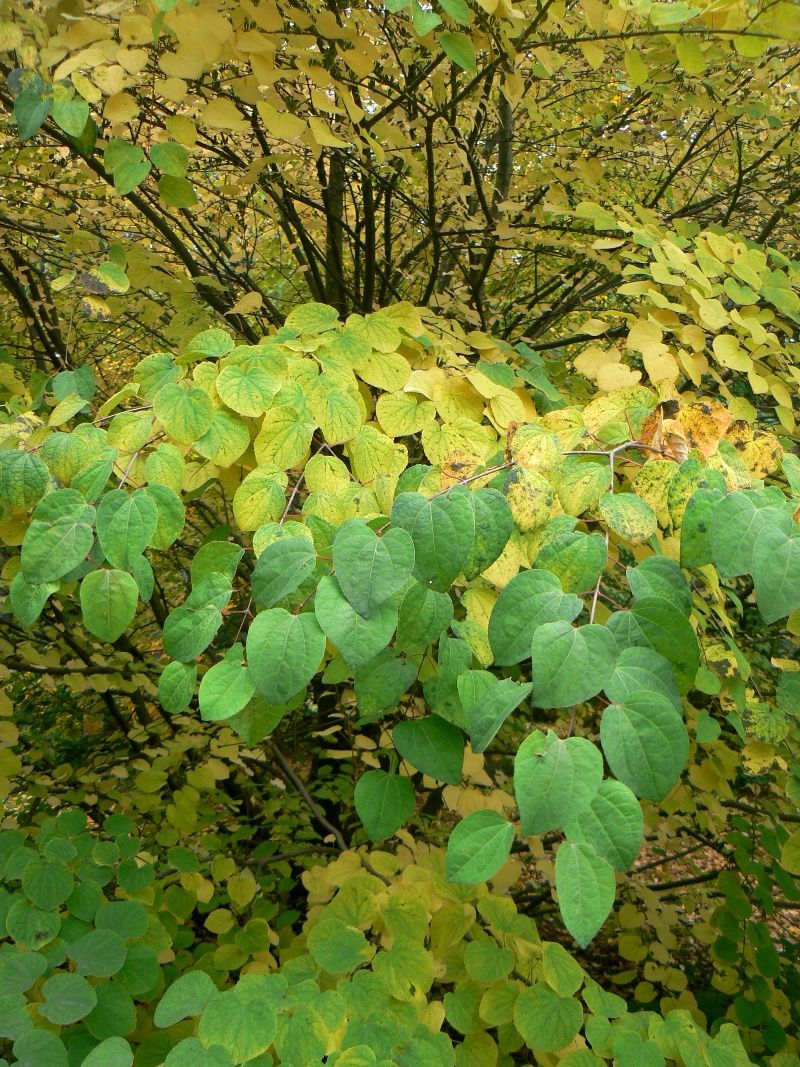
x,y
399,504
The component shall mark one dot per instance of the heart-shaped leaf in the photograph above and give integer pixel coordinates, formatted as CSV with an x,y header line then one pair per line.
x,y
358,639
530,599
776,571
370,569
432,745
645,742
478,847
554,780
586,890
570,664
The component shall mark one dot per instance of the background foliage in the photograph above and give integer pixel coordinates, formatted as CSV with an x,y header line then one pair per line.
x,y
417,685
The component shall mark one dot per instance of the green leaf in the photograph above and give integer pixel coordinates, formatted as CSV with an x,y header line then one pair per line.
x,y
100,953
28,600
576,559
530,599
695,527
185,413
642,668
441,690
47,884
628,516
660,576
260,501
112,279
442,531
128,918
776,572
432,746
423,616
170,158
458,10
554,780
108,603
586,889
370,569
221,557
284,653
487,706
337,948
59,537
281,568
225,690
357,639
186,997
171,515
247,388
570,664
40,1048
213,343
113,1052
459,48
30,926
546,1021
492,525
19,970
380,683
68,997
128,175
190,1051
562,973
23,479
242,1026
126,523
612,825
190,628
486,962
176,686
383,803
645,743
478,847
737,521
656,623
31,108
423,19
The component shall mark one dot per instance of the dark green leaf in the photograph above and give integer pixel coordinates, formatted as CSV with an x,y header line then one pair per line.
x,y
432,746
284,653
645,743
370,569
383,803
554,780
358,639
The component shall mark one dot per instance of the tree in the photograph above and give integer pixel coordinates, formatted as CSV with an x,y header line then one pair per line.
x,y
399,497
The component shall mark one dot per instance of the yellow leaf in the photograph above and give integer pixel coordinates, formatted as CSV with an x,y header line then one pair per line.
x,y
247,304
285,438
531,498
401,413
704,424
323,135
223,114
280,124
729,352
372,453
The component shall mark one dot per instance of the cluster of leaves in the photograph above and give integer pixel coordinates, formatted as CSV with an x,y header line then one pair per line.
x,y
237,161
486,586
93,941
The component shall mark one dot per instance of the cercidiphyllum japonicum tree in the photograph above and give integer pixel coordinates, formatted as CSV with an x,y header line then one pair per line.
x,y
168,165
491,575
